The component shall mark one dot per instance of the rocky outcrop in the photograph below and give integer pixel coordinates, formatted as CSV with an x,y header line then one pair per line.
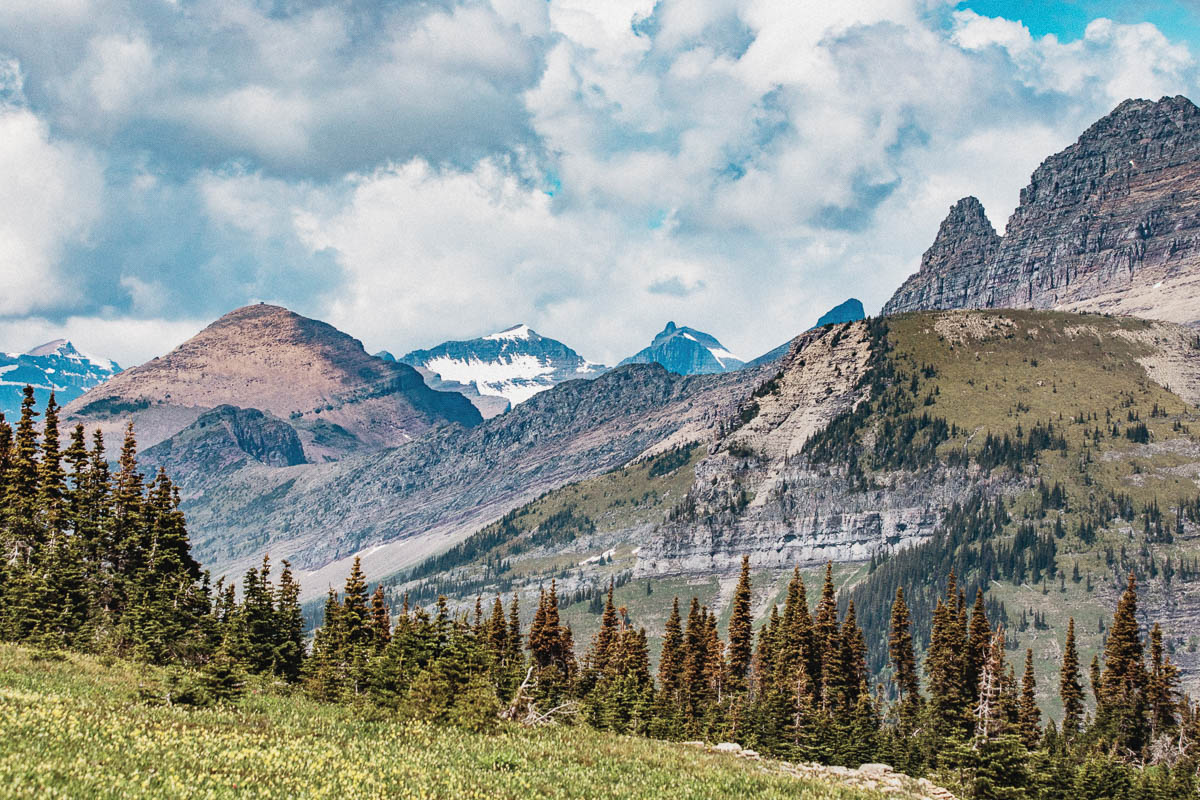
x,y
749,497
223,440
1112,223
757,495
953,268
879,778
307,372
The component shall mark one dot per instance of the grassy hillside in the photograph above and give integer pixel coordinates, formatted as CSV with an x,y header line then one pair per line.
x,y
72,727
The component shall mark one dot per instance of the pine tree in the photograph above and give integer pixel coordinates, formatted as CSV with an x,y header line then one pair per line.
x,y
979,637
1029,715
741,633
670,662
826,635
948,699
1069,687
1162,687
900,652
853,662
381,617
1121,708
289,626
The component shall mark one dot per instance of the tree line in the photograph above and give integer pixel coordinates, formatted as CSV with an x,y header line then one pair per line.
x,y
98,560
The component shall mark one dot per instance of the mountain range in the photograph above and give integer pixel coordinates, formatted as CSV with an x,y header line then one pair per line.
x,y
336,397
862,442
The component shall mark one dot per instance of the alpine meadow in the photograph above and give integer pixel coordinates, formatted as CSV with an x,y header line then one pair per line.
x,y
369,515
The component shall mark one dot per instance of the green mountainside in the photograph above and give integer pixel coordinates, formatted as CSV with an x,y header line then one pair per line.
x,y
1083,427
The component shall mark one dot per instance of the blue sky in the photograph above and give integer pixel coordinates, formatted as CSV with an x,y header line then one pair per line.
x,y
417,171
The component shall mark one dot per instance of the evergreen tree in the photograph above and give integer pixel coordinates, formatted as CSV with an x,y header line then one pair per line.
x,y
1121,701
979,637
1029,715
289,626
381,617
670,662
826,636
900,652
741,633
1069,688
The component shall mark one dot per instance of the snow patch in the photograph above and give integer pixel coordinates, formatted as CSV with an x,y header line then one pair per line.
x,y
609,553
515,332
722,355
515,378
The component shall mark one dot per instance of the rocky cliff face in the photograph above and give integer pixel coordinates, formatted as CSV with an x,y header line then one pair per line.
x,y
306,372
756,495
1112,223
224,440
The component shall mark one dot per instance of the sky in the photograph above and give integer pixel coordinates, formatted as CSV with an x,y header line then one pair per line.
x,y
413,172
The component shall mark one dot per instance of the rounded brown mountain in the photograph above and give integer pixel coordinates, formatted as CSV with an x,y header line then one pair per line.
x,y
301,370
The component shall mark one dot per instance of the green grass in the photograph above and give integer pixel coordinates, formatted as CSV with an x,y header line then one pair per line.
x,y
74,728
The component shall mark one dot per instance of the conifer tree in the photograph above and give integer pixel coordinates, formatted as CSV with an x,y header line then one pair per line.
x,y
670,662
1162,687
900,652
381,617
852,681
826,635
1069,688
289,626
1029,715
991,720
741,634
979,637
1121,702
949,702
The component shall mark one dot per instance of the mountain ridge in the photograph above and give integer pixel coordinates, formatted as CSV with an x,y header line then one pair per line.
x,y
1107,224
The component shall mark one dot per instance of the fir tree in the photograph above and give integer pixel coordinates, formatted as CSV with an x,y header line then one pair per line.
x,y
381,617
979,637
1029,715
900,652
1121,707
1069,688
670,662
741,633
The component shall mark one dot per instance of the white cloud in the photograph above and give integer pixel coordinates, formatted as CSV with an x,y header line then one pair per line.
x,y
50,195
123,339
423,171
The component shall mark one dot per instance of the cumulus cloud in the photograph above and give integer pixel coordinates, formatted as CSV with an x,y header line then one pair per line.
x,y
50,194
415,172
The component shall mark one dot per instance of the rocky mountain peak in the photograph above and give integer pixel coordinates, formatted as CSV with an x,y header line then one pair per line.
x,y
1107,224
500,370
965,243
687,351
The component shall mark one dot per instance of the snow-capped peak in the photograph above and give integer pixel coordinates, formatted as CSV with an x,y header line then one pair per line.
x,y
64,349
515,332
514,364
